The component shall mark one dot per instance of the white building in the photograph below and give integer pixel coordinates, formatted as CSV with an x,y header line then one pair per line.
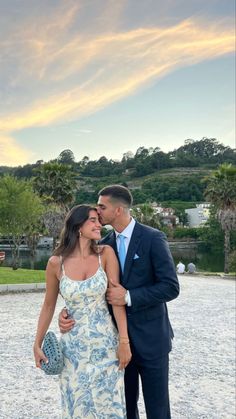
x,y
198,216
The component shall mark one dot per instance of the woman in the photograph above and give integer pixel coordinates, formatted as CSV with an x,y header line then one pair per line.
x,y
92,379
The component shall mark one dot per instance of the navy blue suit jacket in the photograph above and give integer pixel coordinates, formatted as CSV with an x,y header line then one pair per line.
x,y
150,277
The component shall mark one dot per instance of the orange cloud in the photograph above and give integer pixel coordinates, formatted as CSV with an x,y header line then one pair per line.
x,y
128,61
11,154
76,75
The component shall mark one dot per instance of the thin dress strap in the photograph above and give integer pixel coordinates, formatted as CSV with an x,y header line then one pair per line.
x,y
99,259
62,266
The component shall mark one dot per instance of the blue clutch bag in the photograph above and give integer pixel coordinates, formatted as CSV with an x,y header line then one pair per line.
x,y
52,350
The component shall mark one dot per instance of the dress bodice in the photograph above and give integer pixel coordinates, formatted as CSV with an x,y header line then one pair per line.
x,y
83,296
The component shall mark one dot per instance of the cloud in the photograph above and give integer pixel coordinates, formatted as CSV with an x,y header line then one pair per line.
x,y
11,154
62,74
85,131
123,63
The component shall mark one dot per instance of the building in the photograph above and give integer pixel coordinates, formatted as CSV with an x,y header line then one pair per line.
x,y
198,216
167,215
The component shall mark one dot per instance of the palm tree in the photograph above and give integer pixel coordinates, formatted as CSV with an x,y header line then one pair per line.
x,y
56,183
146,215
221,192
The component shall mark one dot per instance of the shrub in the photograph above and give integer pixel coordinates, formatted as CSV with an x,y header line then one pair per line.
x,y
232,261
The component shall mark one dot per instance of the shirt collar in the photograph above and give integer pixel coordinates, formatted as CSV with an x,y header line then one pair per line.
x,y
127,232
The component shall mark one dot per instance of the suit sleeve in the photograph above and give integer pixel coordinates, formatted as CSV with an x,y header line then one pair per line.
x,y
165,285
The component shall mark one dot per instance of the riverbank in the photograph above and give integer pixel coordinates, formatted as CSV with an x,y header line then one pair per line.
x,y
202,361
27,280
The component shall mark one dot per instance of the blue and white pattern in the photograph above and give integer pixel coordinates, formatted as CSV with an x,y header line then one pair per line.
x,y
91,385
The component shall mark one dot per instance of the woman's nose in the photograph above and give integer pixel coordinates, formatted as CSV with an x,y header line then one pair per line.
x,y
98,224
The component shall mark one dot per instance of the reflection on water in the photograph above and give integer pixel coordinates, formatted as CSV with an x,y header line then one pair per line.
x,y
204,259
190,252
42,256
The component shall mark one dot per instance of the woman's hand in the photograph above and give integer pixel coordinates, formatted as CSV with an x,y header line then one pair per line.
x,y
65,323
124,355
39,356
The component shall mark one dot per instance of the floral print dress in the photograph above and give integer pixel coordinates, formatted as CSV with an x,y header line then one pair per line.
x,y
91,385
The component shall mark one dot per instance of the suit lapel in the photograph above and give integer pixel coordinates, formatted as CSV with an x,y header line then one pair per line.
x,y
133,245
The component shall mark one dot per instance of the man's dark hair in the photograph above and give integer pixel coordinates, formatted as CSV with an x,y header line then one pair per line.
x,y
117,193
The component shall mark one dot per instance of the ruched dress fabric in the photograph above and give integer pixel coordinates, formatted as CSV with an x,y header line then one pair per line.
x,y
92,386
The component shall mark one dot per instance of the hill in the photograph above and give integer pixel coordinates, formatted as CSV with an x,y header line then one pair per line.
x,y
151,174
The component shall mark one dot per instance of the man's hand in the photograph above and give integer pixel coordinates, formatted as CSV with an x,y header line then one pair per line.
x,y
65,323
116,295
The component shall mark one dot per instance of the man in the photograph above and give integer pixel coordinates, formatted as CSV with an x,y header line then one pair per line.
x,y
147,281
180,268
191,268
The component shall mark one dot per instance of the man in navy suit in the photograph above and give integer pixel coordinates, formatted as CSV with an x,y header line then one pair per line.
x,y
147,281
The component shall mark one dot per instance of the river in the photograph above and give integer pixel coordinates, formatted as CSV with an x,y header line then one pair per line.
x,y
205,260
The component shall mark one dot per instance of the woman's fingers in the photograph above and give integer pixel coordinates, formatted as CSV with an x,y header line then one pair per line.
x,y
123,362
123,365
39,357
65,323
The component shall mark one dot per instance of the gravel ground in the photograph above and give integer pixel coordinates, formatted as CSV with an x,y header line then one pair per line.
x,y
202,362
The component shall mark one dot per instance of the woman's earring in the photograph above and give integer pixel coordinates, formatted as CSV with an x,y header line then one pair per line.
x,y
80,234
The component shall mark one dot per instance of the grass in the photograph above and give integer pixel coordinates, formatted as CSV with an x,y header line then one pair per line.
x,y
222,274
28,276
20,276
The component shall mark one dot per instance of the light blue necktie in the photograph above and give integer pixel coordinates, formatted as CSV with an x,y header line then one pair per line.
x,y
122,251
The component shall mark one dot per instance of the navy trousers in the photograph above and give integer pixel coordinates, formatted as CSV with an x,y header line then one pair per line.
x,y
154,378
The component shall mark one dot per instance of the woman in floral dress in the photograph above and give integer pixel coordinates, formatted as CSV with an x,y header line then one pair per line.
x,y
95,354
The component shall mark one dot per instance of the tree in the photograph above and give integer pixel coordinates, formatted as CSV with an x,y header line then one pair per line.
x,y
20,213
84,161
53,219
205,151
66,157
232,261
56,183
221,191
146,215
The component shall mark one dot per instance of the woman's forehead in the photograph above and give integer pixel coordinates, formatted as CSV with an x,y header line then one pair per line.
x,y
93,213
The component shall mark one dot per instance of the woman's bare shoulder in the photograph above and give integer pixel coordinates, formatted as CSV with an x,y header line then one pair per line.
x,y
54,262
106,249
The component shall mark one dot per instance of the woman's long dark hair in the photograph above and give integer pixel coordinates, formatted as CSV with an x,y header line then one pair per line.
x,y
70,232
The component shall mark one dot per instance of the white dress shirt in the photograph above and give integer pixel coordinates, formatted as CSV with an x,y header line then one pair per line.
x,y
127,233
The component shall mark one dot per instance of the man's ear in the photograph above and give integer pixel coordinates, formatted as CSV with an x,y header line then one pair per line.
x,y
119,211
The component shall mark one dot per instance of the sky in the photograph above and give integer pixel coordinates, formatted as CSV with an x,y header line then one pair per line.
x,y
104,77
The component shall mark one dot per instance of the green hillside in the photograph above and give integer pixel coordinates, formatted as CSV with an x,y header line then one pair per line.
x,y
151,174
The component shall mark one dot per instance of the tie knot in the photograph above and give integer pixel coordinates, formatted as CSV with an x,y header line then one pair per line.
x,y
121,237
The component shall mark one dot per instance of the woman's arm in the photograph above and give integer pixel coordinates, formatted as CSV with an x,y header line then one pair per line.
x,y
48,307
112,271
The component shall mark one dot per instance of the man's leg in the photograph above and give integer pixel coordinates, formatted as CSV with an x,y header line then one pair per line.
x,y
131,390
154,378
